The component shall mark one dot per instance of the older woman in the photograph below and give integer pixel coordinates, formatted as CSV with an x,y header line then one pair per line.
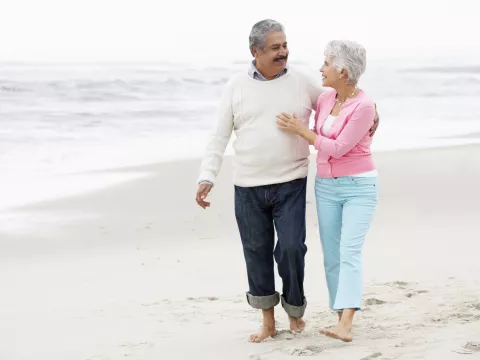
x,y
346,181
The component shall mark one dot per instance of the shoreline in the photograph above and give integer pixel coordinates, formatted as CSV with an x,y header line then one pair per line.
x,y
128,173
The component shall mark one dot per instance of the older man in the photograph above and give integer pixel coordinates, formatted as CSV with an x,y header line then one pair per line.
x,y
270,173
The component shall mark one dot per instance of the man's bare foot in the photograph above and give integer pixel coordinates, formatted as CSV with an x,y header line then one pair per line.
x,y
264,333
268,327
338,332
297,325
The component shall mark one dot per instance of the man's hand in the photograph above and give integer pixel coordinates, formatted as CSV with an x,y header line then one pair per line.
x,y
376,120
202,192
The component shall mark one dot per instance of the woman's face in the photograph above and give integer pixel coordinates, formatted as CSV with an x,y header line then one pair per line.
x,y
330,75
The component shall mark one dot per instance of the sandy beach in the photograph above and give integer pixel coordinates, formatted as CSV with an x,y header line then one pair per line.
x,y
139,271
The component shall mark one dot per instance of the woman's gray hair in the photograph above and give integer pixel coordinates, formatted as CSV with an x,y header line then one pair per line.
x,y
260,31
348,55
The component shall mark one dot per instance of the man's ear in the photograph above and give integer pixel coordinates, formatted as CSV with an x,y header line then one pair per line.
x,y
253,51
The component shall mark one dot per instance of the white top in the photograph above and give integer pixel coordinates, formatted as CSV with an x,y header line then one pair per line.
x,y
264,154
328,124
326,129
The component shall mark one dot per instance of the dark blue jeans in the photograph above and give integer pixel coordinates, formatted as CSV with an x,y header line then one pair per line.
x,y
259,211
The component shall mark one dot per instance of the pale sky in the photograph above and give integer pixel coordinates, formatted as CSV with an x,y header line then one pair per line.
x,y
214,31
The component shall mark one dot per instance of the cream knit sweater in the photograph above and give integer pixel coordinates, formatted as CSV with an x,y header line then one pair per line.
x,y
263,154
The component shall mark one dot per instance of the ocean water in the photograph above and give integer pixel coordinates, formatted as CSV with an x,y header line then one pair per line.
x,y
58,123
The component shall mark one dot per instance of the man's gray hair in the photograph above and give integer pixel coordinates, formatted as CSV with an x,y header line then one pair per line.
x,y
348,55
260,31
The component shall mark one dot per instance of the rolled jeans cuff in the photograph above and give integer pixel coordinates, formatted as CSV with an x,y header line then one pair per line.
x,y
294,311
263,302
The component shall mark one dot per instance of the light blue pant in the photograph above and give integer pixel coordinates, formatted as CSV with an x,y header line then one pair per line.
x,y
345,208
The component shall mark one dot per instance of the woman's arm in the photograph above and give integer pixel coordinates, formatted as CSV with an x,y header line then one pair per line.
x,y
356,128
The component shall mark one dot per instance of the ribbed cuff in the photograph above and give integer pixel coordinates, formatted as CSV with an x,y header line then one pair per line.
x,y
206,176
205,182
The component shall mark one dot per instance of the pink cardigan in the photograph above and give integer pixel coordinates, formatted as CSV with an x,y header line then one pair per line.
x,y
346,149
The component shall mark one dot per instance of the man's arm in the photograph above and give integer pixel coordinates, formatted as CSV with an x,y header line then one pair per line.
x,y
219,138
314,91
376,120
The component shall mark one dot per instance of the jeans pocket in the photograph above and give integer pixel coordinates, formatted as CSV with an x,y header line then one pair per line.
x,y
364,181
242,194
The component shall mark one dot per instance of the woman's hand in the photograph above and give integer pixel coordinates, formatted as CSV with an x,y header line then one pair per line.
x,y
290,124
294,125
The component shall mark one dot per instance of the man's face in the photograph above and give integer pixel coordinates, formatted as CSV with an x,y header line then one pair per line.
x,y
272,59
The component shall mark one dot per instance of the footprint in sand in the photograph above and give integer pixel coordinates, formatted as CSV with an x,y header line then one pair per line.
x,y
136,350
469,348
306,351
372,356
439,320
418,292
473,346
284,334
465,316
374,301
203,299
472,305
137,345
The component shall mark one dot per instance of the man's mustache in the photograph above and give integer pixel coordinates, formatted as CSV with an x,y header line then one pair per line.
x,y
280,58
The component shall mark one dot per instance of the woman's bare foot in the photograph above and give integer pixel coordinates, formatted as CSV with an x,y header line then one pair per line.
x,y
297,325
340,313
263,334
339,332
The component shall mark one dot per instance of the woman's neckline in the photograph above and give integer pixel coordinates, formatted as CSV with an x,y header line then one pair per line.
x,y
360,92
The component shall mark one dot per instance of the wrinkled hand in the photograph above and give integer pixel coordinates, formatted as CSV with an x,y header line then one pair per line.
x,y
376,120
202,192
289,123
